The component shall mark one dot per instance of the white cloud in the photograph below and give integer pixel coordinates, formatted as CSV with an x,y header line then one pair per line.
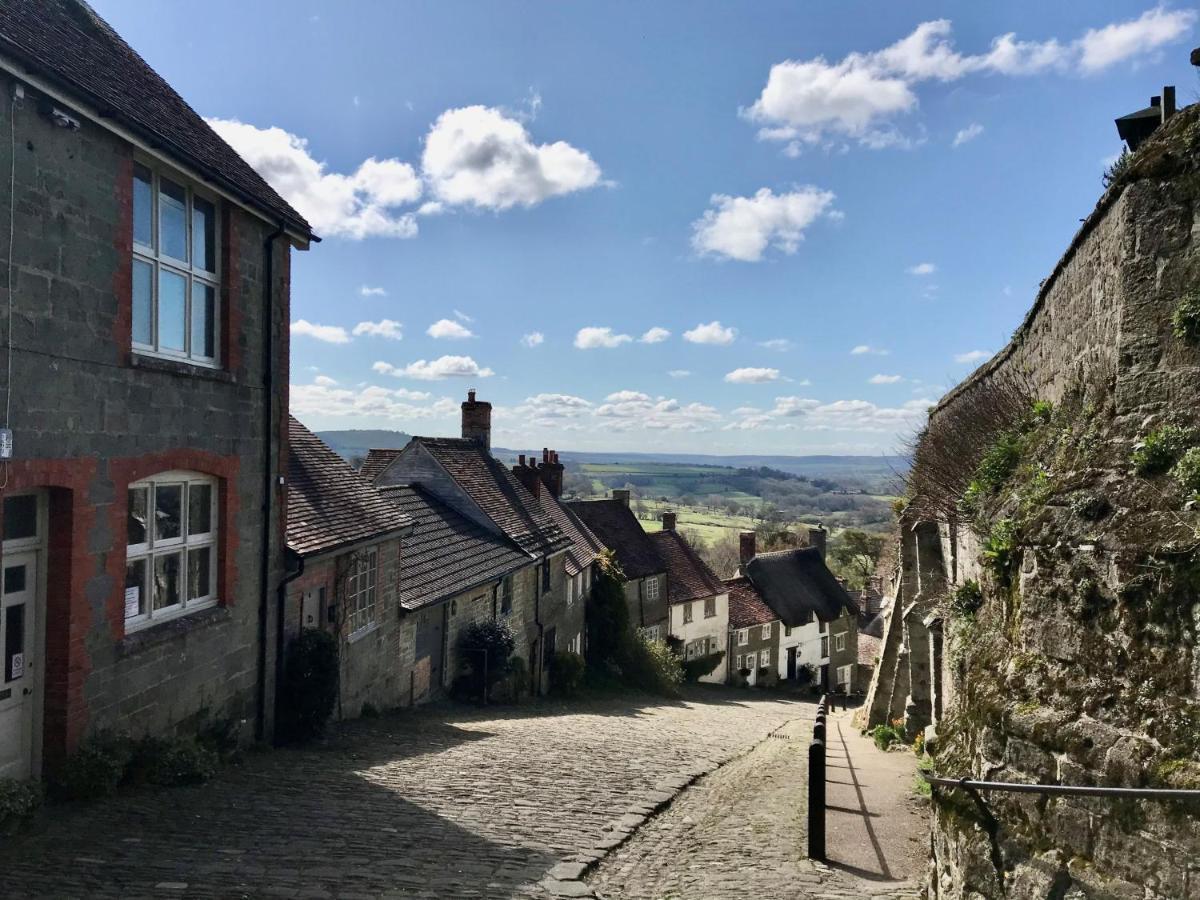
x,y
752,376
436,370
862,95
679,373
839,415
780,344
547,410
368,291
921,269
712,333
331,334
592,337
969,133
362,204
324,381
477,155
533,339
864,349
384,328
626,410
971,356
885,379
655,335
448,329
463,317
743,227
367,400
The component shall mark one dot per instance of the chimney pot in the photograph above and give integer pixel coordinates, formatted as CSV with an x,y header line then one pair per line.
x,y
668,521
1156,101
818,537
521,460
621,495
747,547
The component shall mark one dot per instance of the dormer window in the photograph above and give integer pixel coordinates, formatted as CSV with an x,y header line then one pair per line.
x,y
176,286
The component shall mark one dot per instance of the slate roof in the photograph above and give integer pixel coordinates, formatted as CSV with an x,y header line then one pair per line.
x,y
746,607
376,462
497,492
618,529
66,42
797,582
688,577
585,546
447,553
329,506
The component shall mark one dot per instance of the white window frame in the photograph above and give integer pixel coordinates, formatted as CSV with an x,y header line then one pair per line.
x,y
651,588
766,632
839,642
187,543
843,670
764,656
687,613
152,255
362,594
39,523
743,636
824,646
710,607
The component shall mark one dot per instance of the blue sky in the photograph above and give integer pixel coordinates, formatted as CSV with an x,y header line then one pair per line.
x,y
665,226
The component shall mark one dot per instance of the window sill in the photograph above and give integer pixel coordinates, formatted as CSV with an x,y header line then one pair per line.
x,y
178,626
139,360
355,636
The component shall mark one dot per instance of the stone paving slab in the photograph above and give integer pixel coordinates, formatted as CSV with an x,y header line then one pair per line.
x,y
438,803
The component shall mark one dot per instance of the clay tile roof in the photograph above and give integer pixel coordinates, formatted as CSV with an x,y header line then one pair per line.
x,y
746,607
795,583
619,530
497,492
868,649
67,43
447,553
329,506
585,546
376,462
688,578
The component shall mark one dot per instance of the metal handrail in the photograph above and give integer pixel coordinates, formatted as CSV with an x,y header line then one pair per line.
x,y
1063,790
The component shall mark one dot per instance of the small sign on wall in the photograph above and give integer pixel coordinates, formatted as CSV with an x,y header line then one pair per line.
x,y
133,602
18,666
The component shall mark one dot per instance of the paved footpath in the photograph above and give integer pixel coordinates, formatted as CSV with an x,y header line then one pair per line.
x,y
741,831
438,803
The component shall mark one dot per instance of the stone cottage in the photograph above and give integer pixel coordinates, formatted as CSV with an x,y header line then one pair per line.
x,y
754,632
142,504
698,602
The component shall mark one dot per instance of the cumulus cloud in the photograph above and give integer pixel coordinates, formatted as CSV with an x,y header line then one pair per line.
x,y
752,375
448,329
533,339
384,328
368,291
478,156
367,401
780,344
969,133
861,96
593,337
971,356
839,415
885,379
655,335
712,333
921,269
436,370
365,203
743,228
547,410
626,410
330,334
864,349
324,381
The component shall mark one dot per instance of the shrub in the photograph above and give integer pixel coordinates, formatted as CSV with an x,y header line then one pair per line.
x,y
1187,471
179,761
608,622
886,735
1000,547
1185,320
1041,412
1112,174
567,674
512,687
310,685
695,669
96,769
650,666
806,674
998,463
967,598
18,801
1159,450
486,648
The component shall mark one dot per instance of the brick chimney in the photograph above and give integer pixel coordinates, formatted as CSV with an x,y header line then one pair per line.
x,y
528,475
818,537
747,547
477,421
621,494
551,472
668,520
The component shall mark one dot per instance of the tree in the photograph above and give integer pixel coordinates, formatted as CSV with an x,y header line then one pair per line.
x,y
723,555
856,553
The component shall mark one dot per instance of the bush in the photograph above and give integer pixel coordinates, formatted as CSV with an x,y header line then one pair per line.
x,y
998,463
1185,320
967,599
1000,548
650,666
486,648
567,674
512,687
1187,471
806,674
179,761
1112,174
695,669
608,622
310,685
1159,450
18,801
96,769
886,735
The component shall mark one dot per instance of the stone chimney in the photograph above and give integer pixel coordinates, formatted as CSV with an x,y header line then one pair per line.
x,y
668,520
528,475
1168,102
621,495
551,472
818,537
747,547
477,421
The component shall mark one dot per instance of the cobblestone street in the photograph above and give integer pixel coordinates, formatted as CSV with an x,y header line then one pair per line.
x,y
444,802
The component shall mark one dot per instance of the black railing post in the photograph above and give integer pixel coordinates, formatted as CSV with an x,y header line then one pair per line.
x,y
816,799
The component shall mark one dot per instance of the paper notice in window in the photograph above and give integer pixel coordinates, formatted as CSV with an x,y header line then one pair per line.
x,y
133,602
18,666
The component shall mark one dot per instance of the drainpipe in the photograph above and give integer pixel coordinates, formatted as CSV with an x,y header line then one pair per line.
x,y
537,619
268,482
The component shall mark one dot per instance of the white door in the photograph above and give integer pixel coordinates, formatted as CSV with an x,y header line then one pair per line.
x,y
19,682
